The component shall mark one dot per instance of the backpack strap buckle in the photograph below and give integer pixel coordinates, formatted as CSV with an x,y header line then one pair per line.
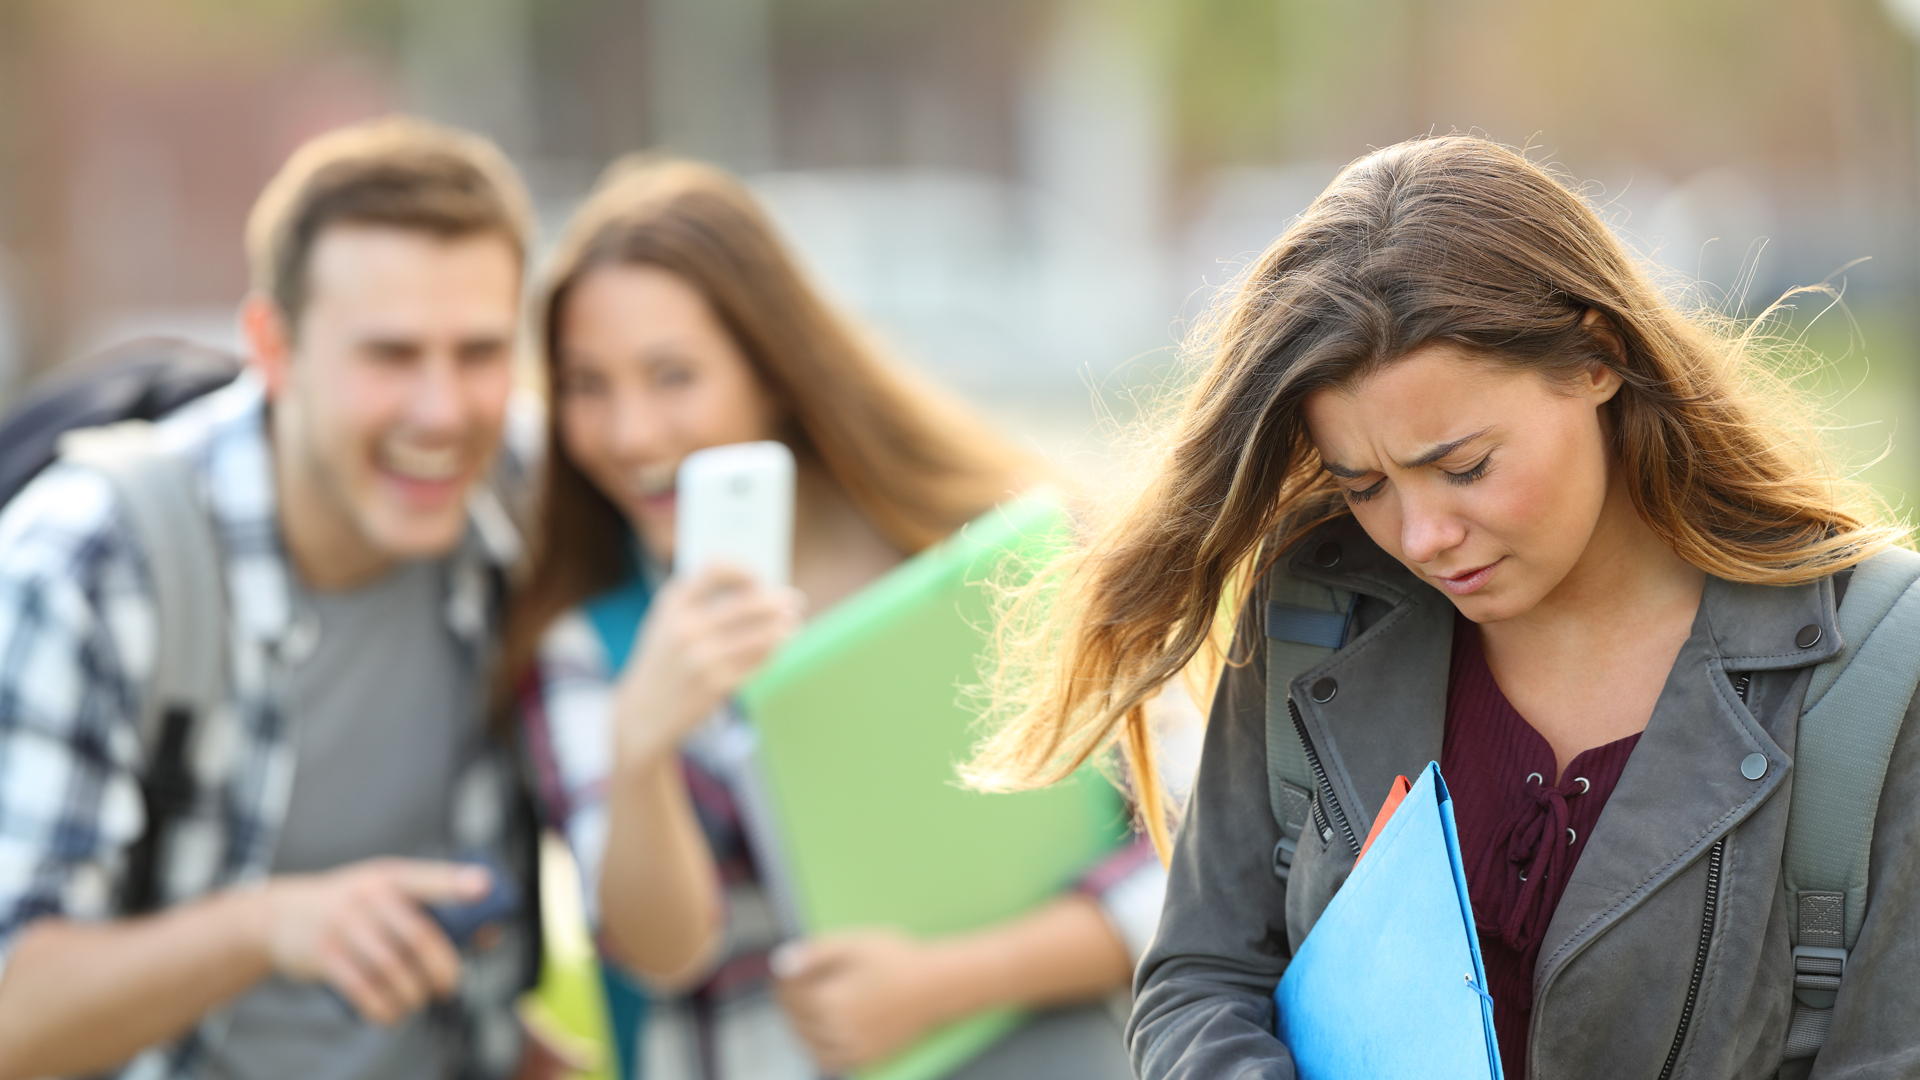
x,y
1819,948
1817,971
1816,982
1819,961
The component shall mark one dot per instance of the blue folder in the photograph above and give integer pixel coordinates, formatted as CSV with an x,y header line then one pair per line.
x,y
1389,982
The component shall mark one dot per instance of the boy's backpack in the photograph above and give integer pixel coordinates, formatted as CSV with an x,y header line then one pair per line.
x,y
156,493
100,415
1854,708
141,380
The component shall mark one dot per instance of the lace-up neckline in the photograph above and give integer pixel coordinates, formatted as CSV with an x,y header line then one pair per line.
x,y
1522,830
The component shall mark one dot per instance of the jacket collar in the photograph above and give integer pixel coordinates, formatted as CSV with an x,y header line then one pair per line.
x,y
1341,554
1682,789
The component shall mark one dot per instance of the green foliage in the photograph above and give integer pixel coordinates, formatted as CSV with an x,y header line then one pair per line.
x,y
1227,74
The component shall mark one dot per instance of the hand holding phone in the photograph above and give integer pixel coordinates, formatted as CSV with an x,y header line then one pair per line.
x,y
461,921
727,606
428,907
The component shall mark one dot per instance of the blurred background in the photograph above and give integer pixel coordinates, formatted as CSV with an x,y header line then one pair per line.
x,y
1033,199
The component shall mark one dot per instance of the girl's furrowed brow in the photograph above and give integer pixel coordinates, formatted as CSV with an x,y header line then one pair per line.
x,y
1422,461
1436,453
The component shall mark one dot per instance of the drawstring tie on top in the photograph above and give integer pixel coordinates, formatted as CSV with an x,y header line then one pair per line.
x,y
1535,842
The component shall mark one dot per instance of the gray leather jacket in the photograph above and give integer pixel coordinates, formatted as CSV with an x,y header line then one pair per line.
x,y
1614,971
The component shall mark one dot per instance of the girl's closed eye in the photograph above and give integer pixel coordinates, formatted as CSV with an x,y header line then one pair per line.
x,y
1366,493
1478,470
672,376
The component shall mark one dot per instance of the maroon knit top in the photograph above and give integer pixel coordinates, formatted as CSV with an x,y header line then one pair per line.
x,y
1520,831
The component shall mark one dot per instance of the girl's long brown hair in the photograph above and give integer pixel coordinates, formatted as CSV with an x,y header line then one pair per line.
x,y
916,465
1438,240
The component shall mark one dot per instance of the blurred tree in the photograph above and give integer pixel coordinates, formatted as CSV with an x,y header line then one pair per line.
x,y
1228,69
1688,84
887,83
592,91
1814,104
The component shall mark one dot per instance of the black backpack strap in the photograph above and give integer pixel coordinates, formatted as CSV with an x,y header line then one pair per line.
x,y
142,379
181,550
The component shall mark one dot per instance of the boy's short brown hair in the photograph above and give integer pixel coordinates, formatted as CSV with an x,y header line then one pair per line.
x,y
398,172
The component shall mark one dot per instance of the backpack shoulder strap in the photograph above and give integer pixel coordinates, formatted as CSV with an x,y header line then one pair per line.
x,y
1305,624
1854,708
173,533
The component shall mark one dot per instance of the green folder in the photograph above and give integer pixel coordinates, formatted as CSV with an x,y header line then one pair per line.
x,y
860,723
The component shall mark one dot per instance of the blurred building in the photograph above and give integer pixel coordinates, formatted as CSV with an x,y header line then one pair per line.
x,y
1025,195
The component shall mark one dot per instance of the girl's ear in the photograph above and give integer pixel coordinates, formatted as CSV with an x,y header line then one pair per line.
x,y
1604,381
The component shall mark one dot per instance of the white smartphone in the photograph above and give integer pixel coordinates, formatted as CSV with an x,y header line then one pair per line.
x,y
735,503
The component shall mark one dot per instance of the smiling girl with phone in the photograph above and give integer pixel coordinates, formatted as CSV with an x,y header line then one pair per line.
x,y
674,321
1581,550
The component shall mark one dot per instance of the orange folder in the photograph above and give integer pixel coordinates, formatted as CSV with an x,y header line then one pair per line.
x,y
1401,785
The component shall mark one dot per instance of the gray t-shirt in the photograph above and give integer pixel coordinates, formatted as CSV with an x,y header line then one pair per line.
x,y
383,699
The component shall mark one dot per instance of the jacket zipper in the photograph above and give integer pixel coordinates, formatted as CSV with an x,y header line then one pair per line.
x,y
1715,856
1326,802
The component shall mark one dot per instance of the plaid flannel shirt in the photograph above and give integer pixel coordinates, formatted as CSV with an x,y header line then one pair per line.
x,y
77,628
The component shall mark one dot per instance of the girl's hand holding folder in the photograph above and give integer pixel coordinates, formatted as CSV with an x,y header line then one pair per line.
x,y
859,995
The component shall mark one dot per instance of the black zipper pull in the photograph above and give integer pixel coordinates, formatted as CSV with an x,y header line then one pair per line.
x,y
1326,806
